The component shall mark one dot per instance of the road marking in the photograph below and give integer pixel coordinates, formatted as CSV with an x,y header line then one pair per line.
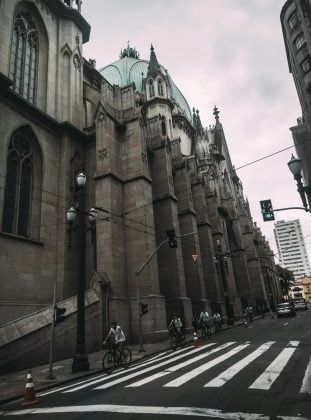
x,y
138,409
104,377
274,370
177,367
306,384
286,323
152,410
133,375
228,374
136,367
203,368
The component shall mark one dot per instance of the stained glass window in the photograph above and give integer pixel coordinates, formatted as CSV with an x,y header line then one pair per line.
x,y
24,56
18,186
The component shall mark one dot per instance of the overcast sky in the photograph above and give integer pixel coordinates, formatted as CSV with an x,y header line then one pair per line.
x,y
228,53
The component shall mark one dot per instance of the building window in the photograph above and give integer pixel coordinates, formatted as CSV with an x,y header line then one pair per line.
x,y
163,127
306,65
24,56
160,88
300,41
293,21
151,89
20,199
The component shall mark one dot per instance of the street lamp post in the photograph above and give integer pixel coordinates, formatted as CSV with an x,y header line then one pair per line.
x,y
80,360
221,264
295,167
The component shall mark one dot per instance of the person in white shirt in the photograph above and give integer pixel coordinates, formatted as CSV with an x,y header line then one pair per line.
x,y
115,335
176,321
204,316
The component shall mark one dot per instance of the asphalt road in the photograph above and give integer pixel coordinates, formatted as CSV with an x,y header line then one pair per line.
x,y
262,372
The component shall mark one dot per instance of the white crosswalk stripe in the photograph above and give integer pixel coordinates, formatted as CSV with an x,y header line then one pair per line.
x,y
274,370
203,368
306,383
199,360
174,368
228,374
133,375
169,359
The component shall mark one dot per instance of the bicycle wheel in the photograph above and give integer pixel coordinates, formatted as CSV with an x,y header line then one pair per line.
x,y
204,332
209,331
125,357
173,341
108,362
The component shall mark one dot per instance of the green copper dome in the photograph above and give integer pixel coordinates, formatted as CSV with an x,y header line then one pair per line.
x,y
131,69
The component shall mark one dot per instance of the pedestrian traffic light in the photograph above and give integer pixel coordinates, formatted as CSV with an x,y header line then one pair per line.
x,y
58,314
172,241
267,210
143,309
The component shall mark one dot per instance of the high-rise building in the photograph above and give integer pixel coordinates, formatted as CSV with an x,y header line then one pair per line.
x,y
291,247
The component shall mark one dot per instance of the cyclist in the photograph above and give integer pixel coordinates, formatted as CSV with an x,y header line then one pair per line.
x,y
204,322
175,328
249,312
176,322
116,335
217,321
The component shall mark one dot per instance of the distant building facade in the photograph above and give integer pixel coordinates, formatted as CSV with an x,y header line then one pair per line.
x,y
150,165
291,247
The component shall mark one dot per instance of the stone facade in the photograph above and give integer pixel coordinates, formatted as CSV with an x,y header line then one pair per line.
x,y
150,167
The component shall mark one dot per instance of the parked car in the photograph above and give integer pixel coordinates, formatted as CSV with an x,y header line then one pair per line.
x,y
285,309
300,304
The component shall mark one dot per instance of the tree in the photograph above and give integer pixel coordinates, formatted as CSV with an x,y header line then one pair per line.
x,y
286,279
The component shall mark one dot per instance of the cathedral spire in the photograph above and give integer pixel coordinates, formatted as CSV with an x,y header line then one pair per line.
x,y
154,66
216,114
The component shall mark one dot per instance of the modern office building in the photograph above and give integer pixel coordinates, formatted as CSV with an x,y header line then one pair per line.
x,y
291,247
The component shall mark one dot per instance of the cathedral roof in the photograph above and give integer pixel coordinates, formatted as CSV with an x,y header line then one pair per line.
x,y
131,69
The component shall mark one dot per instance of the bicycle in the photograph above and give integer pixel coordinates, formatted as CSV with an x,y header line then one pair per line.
x,y
218,327
176,337
117,357
206,330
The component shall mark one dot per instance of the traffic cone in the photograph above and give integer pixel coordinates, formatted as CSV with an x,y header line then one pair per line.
x,y
196,341
30,395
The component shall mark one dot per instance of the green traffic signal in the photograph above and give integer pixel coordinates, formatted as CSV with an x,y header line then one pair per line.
x,y
171,237
267,210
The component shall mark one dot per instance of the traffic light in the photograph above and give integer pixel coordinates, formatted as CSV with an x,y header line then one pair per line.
x,y
58,314
172,241
267,210
143,309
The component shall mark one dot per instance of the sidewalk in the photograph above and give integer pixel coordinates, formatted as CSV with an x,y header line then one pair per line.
x,y
12,386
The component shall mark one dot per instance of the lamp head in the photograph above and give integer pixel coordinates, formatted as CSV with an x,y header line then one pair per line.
x,y
71,214
92,215
81,179
295,166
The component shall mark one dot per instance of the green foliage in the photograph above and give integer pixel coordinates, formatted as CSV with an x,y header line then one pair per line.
x,y
286,278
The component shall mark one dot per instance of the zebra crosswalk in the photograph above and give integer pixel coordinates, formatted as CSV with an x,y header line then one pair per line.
x,y
210,363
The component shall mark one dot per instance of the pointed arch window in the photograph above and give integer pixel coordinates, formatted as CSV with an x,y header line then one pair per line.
x,y
151,89
24,56
160,88
21,202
